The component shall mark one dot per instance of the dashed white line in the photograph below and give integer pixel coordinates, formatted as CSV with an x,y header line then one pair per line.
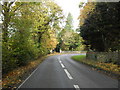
x,y
60,61
68,74
62,65
76,87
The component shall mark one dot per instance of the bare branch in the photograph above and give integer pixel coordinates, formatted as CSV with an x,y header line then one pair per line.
x,y
2,12
11,3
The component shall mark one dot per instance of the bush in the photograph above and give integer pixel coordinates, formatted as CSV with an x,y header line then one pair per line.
x,y
8,61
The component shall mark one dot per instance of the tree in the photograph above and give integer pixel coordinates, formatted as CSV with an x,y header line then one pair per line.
x,y
49,17
81,4
31,31
69,22
98,26
68,38
8,11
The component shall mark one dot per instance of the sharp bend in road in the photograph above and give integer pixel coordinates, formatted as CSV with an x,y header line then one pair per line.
x,y
60,71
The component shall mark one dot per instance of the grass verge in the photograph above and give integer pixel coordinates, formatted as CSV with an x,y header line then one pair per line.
x,y
79,57
108,68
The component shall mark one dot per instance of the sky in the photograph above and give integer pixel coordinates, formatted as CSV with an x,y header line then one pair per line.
x,y
71,6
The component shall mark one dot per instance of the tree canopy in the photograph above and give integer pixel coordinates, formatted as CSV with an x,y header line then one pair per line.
x,y
29,31
99,26
68,38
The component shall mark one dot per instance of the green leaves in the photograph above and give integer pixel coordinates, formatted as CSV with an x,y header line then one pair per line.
x,y
69,22
68,38
30,31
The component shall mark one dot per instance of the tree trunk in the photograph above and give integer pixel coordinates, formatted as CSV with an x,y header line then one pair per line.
x,y
39,38
6,21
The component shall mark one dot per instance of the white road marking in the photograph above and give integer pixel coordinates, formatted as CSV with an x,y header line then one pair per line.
x,y
62,65
60,61
28,77
76,87
68,74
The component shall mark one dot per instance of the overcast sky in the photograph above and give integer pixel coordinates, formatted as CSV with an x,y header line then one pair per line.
x,y
71,6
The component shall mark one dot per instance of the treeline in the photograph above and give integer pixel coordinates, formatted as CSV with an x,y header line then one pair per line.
x,y
69,39
100,26
28,31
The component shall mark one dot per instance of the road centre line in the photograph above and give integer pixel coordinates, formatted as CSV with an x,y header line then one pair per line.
x,y
60,61
76,87
66,71
68,74
62,65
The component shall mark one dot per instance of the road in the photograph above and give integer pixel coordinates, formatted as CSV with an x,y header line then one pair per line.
x,y
60,71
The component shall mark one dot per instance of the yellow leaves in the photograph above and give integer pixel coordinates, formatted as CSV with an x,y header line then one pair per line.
x,y
49,40
14,77
88,9
110,67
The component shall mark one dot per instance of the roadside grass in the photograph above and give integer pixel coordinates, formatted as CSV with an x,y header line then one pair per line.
x,y
108,68
13,79
78,57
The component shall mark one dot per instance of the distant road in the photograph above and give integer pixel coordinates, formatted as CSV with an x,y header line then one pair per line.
x,y
73,52
60,71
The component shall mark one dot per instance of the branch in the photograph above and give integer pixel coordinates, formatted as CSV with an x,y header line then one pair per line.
x,y
4,5
11,3
17,7
3,13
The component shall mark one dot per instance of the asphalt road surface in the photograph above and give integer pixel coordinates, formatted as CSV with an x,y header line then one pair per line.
x,y
60,71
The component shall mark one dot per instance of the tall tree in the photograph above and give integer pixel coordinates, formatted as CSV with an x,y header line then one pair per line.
x,y
28,31
99,26
68,38
8,10
69,22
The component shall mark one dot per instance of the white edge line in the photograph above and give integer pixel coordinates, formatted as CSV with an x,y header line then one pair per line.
x,y
27,78
68,74
76,87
